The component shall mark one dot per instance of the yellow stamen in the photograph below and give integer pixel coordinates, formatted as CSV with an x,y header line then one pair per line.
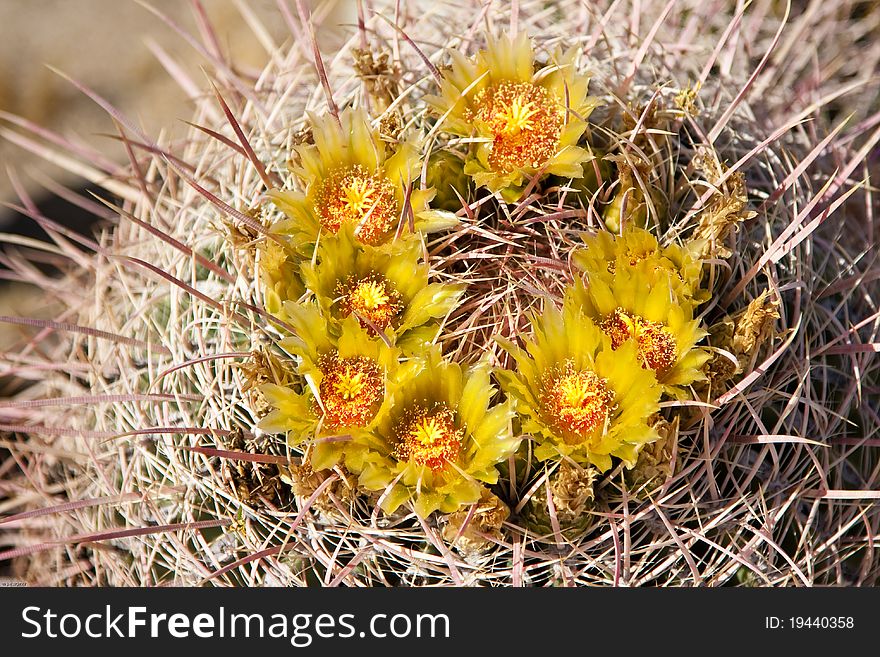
x,y
518,116
349,385
353,194
372,299
657,348
634,258
575,402
351,390
359,196
525,122
370,295
428,438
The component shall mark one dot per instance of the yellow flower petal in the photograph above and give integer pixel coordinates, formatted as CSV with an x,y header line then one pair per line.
x,y
351,180
580,398
426,443
520,123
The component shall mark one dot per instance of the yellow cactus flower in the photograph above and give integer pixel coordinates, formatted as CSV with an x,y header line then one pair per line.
x,y
604,253
281,277
439,441
636,201
346,387
576,396
522,122
351,177
386,288
445,173
637,306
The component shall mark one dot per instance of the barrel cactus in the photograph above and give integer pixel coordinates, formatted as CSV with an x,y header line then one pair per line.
x,y
536,293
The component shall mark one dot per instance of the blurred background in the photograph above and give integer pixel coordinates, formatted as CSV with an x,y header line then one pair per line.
x,y
114,47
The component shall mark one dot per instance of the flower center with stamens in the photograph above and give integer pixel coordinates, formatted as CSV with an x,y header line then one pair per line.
x,y
657,348
634,258
576,402
352,194
351,390
428,437
525,122
372,299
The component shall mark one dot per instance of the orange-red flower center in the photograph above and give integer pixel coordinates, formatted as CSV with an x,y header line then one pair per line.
x,y
372,299
525,122
657,348
428,437
576,402
351,390
352,194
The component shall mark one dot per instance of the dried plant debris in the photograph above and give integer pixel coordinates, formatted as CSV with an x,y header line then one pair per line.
x,y
254,482
743,337
726,208
561,506
686,100
755,325
328,498
477,528
656,462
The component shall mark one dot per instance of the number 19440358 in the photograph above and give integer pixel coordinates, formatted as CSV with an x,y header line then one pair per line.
x,y
809,622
